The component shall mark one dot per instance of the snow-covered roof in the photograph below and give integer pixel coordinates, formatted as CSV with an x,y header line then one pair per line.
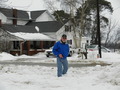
x,y
33,36
26,33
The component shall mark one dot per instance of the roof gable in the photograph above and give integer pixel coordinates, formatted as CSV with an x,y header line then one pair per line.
x,y
36,14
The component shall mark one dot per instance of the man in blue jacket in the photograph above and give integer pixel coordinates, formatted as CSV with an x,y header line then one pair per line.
x,y
61,51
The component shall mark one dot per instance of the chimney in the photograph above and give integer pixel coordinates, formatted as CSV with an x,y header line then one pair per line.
x,y
14,16
0,23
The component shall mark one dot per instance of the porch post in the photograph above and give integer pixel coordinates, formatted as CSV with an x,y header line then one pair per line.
x,y
28,46
21,47
41,44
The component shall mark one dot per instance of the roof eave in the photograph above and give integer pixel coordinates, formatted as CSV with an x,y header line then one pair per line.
x,y
21,19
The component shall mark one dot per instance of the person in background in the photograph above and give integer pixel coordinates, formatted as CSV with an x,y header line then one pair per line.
x,y
86,46
61,51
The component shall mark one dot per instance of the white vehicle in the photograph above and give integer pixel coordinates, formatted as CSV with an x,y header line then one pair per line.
x,y
49,52
95,48
91,48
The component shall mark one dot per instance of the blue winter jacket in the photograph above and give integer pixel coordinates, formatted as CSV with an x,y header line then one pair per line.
x,y
60,48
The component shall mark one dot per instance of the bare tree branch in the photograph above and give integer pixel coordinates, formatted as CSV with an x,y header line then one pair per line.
x,y
3,3
111,27
52,8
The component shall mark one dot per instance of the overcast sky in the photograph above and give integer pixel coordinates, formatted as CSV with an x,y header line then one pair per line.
x,y
116,7
40,5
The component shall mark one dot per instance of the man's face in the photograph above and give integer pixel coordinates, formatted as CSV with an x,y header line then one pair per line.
x,y
64,39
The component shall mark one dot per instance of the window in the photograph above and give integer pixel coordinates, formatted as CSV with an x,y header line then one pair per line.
x,y
47,44
38,45
69,42
35,44
41,44
68,28
16,45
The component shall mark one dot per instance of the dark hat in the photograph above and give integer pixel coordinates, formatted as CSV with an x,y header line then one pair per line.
x,y
64,36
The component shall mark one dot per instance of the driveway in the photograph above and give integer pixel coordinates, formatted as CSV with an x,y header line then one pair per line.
x,y
48,64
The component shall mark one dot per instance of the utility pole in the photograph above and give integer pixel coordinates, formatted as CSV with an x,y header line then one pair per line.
x,y
98,29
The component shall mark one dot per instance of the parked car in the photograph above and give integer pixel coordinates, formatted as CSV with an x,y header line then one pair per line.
x,y
49,52
95,48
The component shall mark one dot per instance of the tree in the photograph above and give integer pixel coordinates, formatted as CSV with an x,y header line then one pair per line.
x,y
116,40
112,26
5,44
81,19
68,6
84,22
3,3
86,17
61,15
78,24
91,17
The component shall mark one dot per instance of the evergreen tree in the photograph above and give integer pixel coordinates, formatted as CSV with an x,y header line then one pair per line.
x,y
60,15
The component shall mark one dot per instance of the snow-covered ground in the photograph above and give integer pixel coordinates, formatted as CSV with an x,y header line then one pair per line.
x,y
44,78
41,57
21,77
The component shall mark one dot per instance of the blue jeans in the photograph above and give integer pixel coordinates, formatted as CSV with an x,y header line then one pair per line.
x,y
62,66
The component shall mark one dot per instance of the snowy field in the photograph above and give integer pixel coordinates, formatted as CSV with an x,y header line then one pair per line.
x,y
44,78
21,77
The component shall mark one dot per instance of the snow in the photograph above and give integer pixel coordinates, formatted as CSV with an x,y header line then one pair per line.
x,y
44,78
37,28
23,77
29,14
92,56
32,36
110,57
5,56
